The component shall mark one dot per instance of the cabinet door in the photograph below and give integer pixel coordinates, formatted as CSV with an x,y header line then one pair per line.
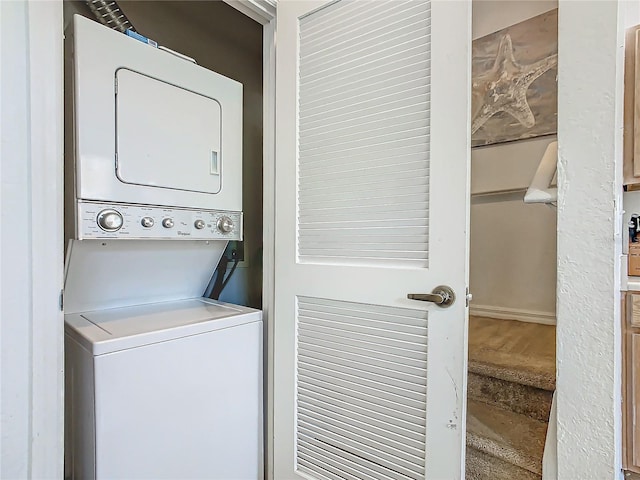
x,y
634,309
632,108
633,392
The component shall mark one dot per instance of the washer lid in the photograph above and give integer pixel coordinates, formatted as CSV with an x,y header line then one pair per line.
x,y
104,274
107,331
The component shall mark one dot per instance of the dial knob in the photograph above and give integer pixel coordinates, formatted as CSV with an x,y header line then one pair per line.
x,y
225,224
110,220
167,223
199,224
147,222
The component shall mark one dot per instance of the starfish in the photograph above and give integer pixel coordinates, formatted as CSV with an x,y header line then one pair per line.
x,y
504,87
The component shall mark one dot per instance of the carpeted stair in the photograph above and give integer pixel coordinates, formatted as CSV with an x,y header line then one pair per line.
x,y
510,388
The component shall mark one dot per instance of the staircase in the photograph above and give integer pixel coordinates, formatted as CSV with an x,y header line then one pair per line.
x,y
510,388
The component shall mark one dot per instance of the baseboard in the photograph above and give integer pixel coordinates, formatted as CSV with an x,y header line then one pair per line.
x,y
531,316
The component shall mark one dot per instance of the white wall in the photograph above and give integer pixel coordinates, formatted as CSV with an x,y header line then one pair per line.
x,y
15,332
590,114
513,247
31,240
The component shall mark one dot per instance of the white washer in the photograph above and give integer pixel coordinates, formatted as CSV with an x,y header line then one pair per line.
x,y
170,390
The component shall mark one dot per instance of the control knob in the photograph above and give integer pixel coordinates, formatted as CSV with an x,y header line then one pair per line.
x,y
224,224
199,224
110,220
147,222
167,223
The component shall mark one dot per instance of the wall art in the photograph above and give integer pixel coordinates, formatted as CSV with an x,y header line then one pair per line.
x,y
514,82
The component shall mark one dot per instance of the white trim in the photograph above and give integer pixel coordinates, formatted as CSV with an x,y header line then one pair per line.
x,y
47,257
32,245
550,452
268,235
505,313
262,11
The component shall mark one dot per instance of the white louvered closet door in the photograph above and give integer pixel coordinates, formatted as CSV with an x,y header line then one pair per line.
x,y
372,184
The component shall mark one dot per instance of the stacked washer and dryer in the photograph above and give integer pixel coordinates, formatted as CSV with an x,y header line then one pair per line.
x,y
160,382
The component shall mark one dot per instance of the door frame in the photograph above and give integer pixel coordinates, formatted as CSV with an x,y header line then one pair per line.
x,y
264,12
32,241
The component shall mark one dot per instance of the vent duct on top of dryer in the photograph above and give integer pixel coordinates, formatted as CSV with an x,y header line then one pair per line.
x,y
109,13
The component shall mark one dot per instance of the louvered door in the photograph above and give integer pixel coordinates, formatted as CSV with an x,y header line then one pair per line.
x,y
372,158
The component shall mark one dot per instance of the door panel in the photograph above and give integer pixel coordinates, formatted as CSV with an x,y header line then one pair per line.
x,y
361,389
332,46
372,157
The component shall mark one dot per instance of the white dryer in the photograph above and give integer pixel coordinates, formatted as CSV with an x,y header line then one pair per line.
x,y
149,129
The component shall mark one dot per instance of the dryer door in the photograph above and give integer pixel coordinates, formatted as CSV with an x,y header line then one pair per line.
x,y
166,136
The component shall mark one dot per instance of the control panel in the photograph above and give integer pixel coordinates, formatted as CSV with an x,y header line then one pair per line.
x,y
111,220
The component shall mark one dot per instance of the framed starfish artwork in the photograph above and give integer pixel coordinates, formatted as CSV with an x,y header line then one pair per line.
x,y
514,82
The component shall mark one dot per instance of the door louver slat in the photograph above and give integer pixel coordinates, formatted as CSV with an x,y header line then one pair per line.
x,y
354,444
416,191
398,32
369,401
400,391
364,107
382,423
365,396
362,358
347,13
355,334
374,201
357,164
363,130
416,52
347,418
388,109
361,390
376,374
353,135
384,354
365,315
341,457
346,465
368,440
349,323
319,335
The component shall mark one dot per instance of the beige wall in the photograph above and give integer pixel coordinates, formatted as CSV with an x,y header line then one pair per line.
x,y
221,39
513,245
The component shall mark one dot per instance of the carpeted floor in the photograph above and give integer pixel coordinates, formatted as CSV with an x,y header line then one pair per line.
x,y
511,383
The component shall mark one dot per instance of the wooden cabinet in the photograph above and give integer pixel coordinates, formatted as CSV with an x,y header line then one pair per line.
x,y
631,381
632,108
